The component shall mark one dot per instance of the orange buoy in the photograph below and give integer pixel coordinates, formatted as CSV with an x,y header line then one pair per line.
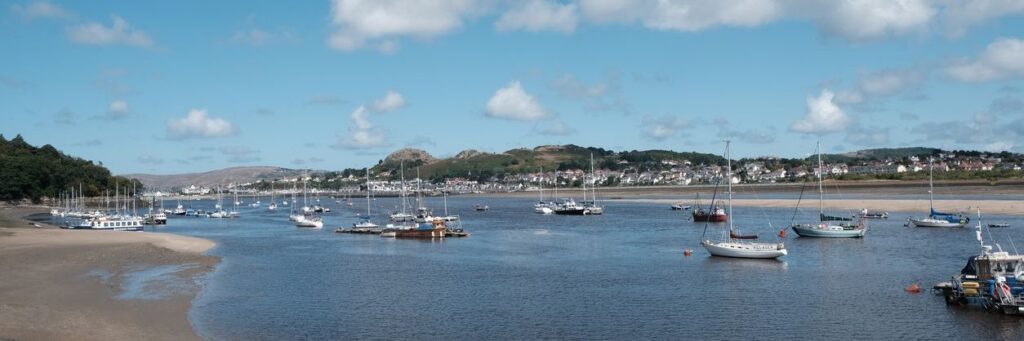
x,y
687,252
913,289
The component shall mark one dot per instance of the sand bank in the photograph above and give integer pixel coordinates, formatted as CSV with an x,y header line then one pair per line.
x,y
97,285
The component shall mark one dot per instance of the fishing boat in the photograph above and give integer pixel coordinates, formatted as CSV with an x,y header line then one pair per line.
x,y
873,214
734,245
714,213
569,207
430,229
179,210
828,226
936,218
993,279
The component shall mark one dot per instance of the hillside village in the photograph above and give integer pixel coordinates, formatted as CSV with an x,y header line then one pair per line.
x,y
661,172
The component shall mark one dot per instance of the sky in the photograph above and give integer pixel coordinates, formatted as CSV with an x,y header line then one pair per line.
x,y
189,86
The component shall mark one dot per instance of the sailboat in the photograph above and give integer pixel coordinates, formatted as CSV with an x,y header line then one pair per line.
x,y
733,245
219,207
827,226
309,218
592,206
292,214
936,218
403,215
541,206
234,210
366,223
273,203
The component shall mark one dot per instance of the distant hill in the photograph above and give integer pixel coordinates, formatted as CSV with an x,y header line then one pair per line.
x,y
217,177
29,172
475,164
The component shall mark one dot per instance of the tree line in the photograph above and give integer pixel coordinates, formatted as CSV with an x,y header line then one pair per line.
x,y
37,173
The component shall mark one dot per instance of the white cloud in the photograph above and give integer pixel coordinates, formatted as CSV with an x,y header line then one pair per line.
x,y
698,15
1002,59
392,101
361,134
685,16
120,32
823,116
118,109
513,103
539,15
557,129
41,9
960,15
357,22
860,20
663,127
197,124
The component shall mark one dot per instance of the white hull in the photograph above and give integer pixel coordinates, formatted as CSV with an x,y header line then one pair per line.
x,y
745,250
310,223
828,231
543,210
928,222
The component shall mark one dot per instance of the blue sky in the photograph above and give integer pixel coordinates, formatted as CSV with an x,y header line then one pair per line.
x,y
169,87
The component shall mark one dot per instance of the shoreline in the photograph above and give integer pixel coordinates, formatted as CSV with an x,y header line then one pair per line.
x,y
97,285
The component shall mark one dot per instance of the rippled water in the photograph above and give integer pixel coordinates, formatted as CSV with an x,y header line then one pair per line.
x,y
618,276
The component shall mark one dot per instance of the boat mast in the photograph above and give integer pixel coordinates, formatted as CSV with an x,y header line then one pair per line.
x,y
367,193
931,187
728,181
404,209
593,186
821,193
541,188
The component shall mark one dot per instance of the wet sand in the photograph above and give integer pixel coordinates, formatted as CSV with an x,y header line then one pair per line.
x,y
96,285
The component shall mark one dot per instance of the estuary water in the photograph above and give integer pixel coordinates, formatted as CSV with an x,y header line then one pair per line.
x,y
622,275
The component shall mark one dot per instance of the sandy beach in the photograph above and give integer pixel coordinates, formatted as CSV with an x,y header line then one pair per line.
x,y
96,285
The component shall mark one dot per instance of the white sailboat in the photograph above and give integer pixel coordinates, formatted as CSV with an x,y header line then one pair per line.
x,y
593,208
735,246
273,203
935,218
403,215
366,223
541,206
829,226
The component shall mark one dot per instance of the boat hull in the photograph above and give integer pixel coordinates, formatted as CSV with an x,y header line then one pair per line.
x,y
418,233
935,223
744,250
712,218
571,211
835,232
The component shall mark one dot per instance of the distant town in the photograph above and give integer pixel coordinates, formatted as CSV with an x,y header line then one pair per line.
x,y
763,170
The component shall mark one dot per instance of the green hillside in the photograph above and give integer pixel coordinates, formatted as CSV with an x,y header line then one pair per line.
x,y
28,172
477,165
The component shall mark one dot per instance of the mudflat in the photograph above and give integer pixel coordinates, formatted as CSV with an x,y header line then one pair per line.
x,y
96,285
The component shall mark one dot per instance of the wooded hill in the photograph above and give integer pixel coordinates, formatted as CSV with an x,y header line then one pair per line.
x,y
34,173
